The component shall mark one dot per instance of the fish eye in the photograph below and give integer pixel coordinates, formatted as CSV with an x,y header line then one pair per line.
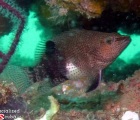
x,y
108,40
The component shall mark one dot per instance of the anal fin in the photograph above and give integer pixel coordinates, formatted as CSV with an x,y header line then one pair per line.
x,y
96,81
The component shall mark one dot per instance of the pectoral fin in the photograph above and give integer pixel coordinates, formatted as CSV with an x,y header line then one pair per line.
x,y
96,81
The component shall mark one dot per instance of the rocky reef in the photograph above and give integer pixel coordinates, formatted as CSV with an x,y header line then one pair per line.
x,y
101,15
89,8
12,105
93,8
109,101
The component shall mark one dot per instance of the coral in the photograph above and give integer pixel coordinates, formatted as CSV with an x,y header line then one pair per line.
x,y
58,18
6,91
70,93
93,8
131,93
90,8
109,101
112,15
11,104
8,10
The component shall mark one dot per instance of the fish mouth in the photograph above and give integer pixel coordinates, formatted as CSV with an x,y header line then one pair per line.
x,y
125,39
122,43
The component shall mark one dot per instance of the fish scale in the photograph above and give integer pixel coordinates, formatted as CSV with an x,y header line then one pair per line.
x,y
83,53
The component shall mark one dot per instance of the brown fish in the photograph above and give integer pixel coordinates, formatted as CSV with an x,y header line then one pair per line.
x,y
82,53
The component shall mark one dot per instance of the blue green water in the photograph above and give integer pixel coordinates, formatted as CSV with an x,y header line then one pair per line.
x,y
33,34
133,49
31,37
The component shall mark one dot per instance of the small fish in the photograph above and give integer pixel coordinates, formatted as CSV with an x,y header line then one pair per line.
x,y
82,53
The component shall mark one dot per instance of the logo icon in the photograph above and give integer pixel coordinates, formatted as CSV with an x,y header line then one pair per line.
x,y
1,116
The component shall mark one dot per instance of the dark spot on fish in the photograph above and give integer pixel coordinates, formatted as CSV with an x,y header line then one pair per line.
x,y
55,64
50,45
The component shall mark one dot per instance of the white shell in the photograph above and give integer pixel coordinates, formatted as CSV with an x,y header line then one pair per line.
x,y
129,115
